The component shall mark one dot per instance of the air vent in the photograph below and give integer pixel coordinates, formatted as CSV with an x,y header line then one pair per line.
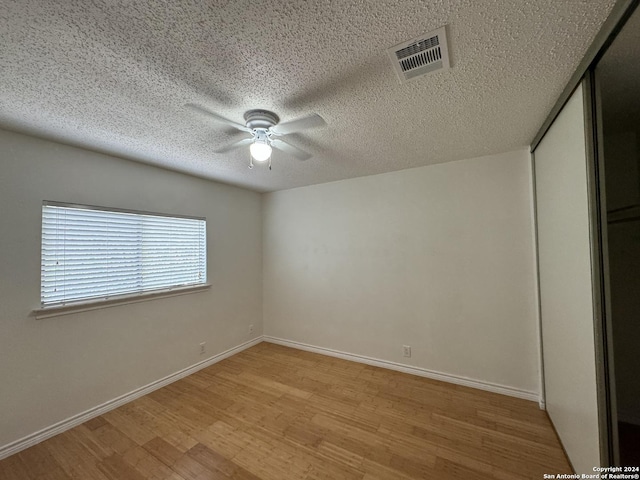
x,y
425,54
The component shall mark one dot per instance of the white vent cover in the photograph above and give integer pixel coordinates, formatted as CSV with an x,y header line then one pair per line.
x,y
425,54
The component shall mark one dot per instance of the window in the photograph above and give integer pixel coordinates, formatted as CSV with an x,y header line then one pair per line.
x,y
91,253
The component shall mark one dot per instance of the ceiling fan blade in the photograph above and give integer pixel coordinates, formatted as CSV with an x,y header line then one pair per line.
x,y
290,149
232,146
312,121
217,117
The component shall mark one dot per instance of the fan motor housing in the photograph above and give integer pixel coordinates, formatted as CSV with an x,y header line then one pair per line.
x,y
261,119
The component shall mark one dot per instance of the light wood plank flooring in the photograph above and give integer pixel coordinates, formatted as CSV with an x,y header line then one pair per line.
x,y
272,412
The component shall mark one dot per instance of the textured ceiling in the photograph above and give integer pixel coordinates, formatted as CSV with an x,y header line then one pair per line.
x,y
114,76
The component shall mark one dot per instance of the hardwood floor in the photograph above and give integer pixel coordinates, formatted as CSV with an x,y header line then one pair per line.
x,y
272,412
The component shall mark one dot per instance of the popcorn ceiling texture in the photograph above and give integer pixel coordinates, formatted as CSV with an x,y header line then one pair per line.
x,y
114,76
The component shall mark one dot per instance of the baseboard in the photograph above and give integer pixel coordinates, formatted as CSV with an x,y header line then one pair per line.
x,y
421,372
48,432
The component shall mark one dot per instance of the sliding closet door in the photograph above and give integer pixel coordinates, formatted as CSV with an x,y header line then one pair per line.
x,y
617,75
566,294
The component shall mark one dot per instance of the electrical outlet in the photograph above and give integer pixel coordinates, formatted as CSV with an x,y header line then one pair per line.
x,y
406,350
250,329
203,348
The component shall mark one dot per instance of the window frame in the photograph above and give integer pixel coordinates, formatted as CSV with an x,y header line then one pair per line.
x,y
45,311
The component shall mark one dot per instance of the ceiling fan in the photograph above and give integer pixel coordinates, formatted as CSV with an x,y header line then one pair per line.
x,y
265,131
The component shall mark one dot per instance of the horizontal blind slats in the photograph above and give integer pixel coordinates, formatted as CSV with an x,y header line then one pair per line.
x,y
88,254
78,268
99,278
103,228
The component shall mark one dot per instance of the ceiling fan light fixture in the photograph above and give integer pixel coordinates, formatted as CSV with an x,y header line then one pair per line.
x,y
260,150
265,130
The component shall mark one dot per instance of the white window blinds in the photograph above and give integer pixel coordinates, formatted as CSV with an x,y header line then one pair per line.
x,y
93,253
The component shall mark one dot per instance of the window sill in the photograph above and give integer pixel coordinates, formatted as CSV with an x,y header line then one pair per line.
x,y
58,310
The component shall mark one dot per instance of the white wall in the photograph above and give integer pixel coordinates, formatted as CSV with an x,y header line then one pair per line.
x,y
55,368
439,258
565,285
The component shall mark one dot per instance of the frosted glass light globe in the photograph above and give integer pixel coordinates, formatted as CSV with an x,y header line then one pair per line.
x,y
260,151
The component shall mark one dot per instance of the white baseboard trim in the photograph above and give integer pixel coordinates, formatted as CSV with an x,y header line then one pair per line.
x,y
48,432
421,372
